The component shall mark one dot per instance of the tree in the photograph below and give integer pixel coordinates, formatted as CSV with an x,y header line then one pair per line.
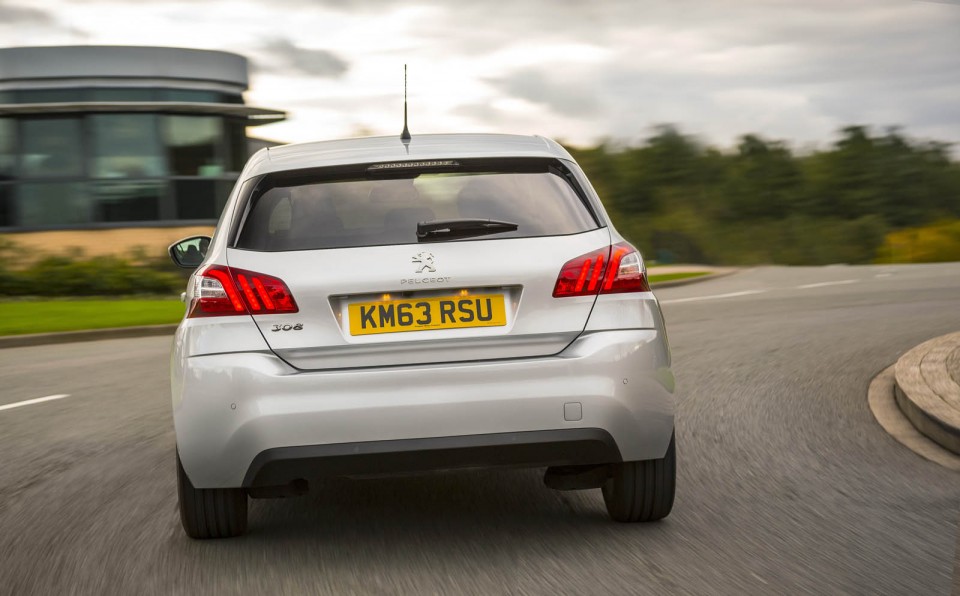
x,y
763,180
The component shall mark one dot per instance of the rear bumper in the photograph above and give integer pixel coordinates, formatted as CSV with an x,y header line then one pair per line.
x,y
573,446
249,419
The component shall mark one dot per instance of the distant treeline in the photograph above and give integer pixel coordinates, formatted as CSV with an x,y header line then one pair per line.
x,y
867,198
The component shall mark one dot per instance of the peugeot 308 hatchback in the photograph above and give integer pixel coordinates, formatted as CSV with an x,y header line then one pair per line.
x,y
379,306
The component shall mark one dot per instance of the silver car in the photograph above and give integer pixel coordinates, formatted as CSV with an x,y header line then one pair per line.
x,y
380,306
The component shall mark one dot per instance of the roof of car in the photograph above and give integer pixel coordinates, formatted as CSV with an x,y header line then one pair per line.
x,y
378,149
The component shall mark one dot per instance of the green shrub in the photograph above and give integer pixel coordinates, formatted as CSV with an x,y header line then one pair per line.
x,y
96,276
937,242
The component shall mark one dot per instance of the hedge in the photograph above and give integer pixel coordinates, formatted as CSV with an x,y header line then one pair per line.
x,y
96,276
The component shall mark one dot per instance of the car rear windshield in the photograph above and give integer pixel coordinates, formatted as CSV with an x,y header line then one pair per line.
x,y
304,211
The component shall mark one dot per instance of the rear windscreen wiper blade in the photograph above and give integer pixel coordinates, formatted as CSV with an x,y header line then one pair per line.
x,y
451,229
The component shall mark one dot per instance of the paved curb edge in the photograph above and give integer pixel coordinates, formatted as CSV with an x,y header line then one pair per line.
x,y
882,401
940,431
920,404
41,339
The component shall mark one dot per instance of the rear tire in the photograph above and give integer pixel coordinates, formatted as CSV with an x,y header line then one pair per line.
x,y
210,512
642,491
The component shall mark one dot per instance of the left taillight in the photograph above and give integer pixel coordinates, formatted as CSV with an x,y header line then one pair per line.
x,y
611,270
220,291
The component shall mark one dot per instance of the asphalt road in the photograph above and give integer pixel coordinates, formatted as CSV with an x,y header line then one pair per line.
x,y
786,483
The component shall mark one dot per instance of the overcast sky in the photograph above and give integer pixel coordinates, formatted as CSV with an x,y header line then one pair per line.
x,y
576,70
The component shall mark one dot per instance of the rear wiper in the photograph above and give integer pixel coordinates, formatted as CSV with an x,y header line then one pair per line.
x,y
452,229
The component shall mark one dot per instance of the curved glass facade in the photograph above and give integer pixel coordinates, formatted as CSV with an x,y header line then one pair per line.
x,y
110,136
83,170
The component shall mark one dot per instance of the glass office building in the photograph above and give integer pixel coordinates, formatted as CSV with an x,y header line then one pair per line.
x,y
111,136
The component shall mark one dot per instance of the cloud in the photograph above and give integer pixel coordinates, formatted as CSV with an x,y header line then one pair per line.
x,y
614,68
568,97
567,68
25,22
23,15
286,55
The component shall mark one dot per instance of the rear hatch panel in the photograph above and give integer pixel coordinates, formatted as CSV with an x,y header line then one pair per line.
x,y
325,282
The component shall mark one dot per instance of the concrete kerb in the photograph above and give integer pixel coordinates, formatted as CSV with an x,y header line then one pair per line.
x,y
40,339
926,392
883,404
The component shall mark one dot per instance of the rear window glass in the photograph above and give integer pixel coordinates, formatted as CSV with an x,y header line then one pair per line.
x,y
313,214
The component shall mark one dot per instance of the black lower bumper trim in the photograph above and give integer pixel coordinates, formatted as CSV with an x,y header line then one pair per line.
x,y
564,447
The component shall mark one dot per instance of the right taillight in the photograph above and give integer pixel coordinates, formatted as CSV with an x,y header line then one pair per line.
x,y
609,270
220,290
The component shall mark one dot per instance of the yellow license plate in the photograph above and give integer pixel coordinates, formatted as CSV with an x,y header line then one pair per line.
x,y
421,314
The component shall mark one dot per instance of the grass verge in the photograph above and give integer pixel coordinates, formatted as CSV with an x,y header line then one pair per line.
x,y
675,276
47,316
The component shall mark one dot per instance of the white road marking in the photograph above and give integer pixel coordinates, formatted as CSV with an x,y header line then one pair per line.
x,y
33,401
828,283
883,275
713,297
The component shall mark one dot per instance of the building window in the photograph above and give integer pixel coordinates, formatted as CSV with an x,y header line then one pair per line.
x,y
201,199
86,94
120,94
117,167
51,147
56,95
7,215
126,146
52,203
237,132
194,145
190,95
8,156
135,200
196,199
224,188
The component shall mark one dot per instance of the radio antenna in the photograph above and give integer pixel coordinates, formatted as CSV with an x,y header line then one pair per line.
x,y
405,135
